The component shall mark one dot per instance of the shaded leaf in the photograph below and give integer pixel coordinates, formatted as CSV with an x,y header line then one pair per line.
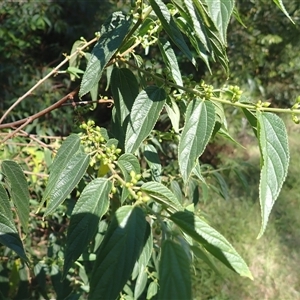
x,y
121,247
125,89
252,119
113,32
88,211
174,272
162,12
170,60
127,162
274,150
18,189
201,254
174,114
198,26
197,130
186,27
8,233
67,180
153,161
144,114
211,240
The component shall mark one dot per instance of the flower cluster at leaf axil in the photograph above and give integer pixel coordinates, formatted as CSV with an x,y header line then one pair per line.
x,y
96,143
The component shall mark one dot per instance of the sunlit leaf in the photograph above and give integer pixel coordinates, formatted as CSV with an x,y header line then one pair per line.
x,y
197,130
67,180
162,12
144,114
121,247
170,60
279,3
18,189
198,26
113,32
220,12
174,114
211,240
274,150
68,148
174,272
88,211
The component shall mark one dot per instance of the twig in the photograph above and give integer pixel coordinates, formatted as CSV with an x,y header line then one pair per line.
x,y
110,101
46,77
28,120
32,137
35,174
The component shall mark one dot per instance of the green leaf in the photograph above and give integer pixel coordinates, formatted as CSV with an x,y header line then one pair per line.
x,y
220,12
140,284
186,26
153,161
202,254
162,195
125,89
197,171
223,190
144,114
167,21
170,60
197,130
113,32
18,190
174,272
68,148
152,289
274,150
8,233
198,26
174,114
212,241
75,60
252,119
279,3
127,162
94,92
121,247
88,211
67,180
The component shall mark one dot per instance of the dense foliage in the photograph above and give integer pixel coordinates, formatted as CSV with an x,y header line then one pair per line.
x,y
117,200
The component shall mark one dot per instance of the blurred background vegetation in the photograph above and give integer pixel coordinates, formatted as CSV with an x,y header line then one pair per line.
x,y
264,62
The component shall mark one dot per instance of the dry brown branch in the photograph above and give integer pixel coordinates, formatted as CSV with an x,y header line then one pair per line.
x,y
20,124
54,71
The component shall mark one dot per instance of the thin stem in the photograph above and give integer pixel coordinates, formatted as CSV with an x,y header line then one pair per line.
x,y
70,96
46,77
217,99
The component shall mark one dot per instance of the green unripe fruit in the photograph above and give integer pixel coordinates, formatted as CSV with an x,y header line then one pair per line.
x,y
132,174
